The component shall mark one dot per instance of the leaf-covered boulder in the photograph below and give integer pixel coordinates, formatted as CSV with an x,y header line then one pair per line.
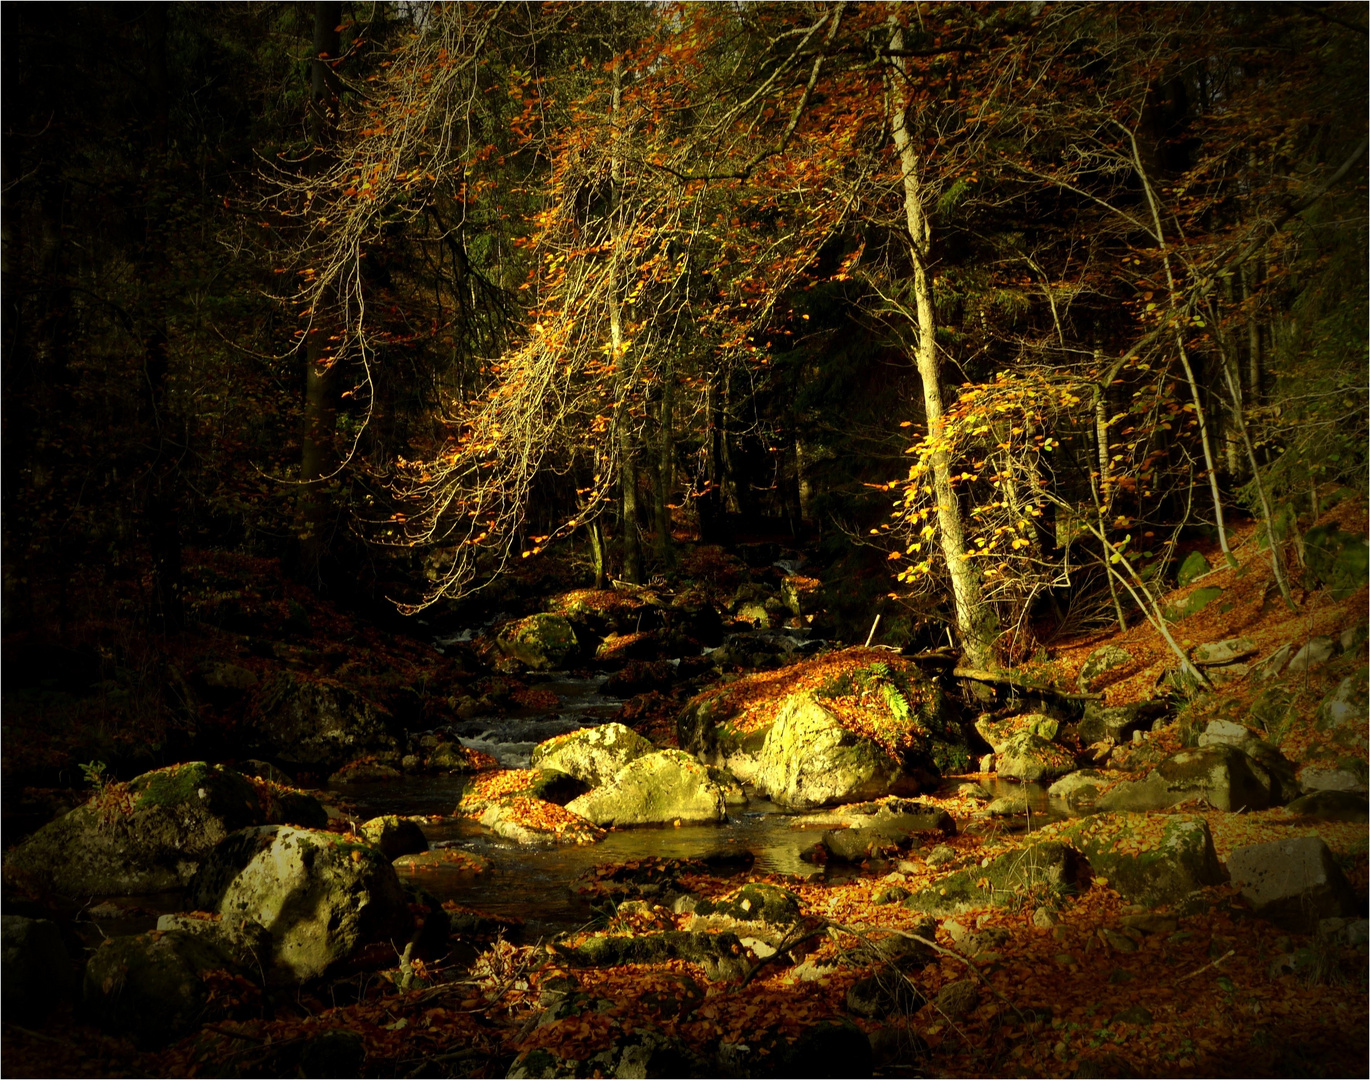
x,y
542,641
319,724
146,836
320,896
151,987
1032,759
655,789
1227,778
1149,859
998,732
594,755
810,758
1116,723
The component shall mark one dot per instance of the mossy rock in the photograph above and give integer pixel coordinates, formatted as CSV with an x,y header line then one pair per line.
x,y
1117,723
756,910
594,755
322,897
319,724
1337,559
1195,602
1045,863
1032,759
149,987
1149,859
1224,775
1100,662
542,641
149,836
614,950
1194,566
655,789
998,732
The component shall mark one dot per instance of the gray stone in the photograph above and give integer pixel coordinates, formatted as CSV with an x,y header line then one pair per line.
x,y
1294,883
1117,723
1225,733
1273,664
1031,758
1317,651
594,755
1333,805
1348,704
542,641
1100,662
998,732
395,836
757,910
1223,775
957,998
247,941
36,971
149,987
320,896
1228,673
1353,932
1006,806
1224,652
1196,602
319,724
1002,882
655,789
1319,778
1083,785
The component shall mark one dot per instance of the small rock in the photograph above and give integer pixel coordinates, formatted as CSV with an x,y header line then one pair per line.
x,y
1044,918
987,763
1150,922
941,855
958,998
1136,1014
1225,733
1117,940
1314,778
1007,806
1100,662
1318,651
1224,652
1273,664
1353,932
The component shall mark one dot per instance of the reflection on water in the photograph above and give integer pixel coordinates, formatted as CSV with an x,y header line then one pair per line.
x,y
536,884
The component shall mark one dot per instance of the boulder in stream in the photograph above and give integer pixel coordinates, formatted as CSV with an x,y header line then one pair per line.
x,y
395,836
542,641
809,759
146,836
594,754
1031,758
320,896
655,789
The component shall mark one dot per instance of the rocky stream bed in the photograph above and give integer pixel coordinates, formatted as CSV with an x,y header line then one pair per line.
x,y
660,834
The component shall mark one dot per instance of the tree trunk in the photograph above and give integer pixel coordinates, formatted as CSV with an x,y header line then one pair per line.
x,y
665,472
317,450
626,444
974,621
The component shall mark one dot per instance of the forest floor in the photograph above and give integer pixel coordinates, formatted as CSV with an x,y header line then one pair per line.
x,y
1087,989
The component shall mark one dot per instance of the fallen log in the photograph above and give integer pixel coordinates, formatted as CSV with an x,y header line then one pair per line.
x,y
980,675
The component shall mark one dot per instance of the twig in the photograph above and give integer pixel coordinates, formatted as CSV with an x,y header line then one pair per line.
x,y
1201,970
871,636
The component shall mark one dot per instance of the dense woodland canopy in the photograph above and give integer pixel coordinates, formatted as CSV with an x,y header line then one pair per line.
x,y
991,301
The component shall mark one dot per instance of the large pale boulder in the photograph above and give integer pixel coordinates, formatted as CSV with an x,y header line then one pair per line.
x,y
655,789
1031,758
998,732
1294,883
319,896
541,641
810,759
143,837
1223,775
1149,859
594,755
